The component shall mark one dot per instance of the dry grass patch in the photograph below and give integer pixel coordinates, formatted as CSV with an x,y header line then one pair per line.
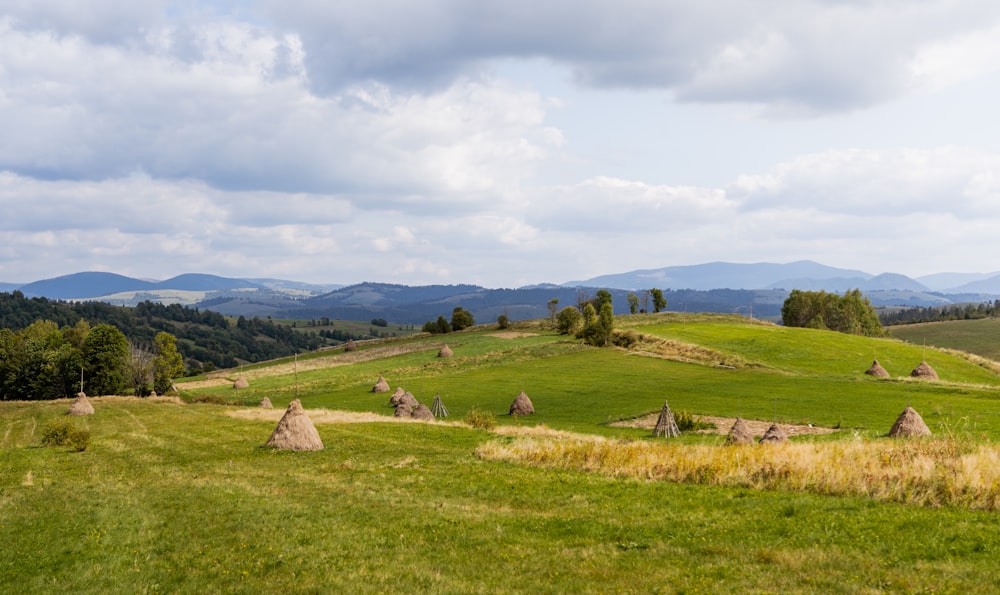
x,y
723,424
688,353
928,472
513,335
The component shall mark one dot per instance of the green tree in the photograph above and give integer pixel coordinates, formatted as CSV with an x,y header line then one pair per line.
x,y
167,363
851,313
568,320
503,322
553,305
105,356
603,296
633,302
659,302
139,369
461,319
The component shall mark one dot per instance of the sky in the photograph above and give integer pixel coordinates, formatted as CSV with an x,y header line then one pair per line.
x,y
499,143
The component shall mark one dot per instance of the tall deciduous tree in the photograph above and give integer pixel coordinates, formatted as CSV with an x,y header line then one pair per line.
x,y
105,356
633,302
461,319
167,363
659,302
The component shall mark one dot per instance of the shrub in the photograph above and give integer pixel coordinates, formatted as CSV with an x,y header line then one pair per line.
x,y
483,420
625,339
687,422
503,322
63,432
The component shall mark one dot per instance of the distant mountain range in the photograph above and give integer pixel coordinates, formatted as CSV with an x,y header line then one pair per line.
x,y
716,286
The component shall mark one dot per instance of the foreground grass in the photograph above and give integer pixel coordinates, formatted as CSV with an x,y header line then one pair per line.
x,y
181,498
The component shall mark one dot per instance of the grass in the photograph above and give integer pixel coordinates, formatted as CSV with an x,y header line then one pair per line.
x,y
974,336
176,497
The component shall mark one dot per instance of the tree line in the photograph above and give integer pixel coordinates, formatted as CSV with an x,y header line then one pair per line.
x,y
850,313
940,313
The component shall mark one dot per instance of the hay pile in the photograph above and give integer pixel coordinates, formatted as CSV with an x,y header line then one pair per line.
x,y
877,370
521,405
81,406
774,435
381,386
403,410
295,431
266,403
740,433
909,424
445,351
350,345
241,382
422,412
666,425
396,396
924,370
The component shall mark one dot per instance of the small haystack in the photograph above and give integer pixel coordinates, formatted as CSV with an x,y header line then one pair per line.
x,y
381,386
295,431
81,406
350,345
266,403
408,399
241,382
522,405
666,425
396,396
877,370
909,424
774,435
445,351
924,370
403,410
152,393
740,433
438,408
422,412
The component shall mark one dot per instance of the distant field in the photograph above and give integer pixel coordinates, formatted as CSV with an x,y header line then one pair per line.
x,y
174,497
981,337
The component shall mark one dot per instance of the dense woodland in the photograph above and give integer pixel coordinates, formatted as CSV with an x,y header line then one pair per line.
x,y
940,313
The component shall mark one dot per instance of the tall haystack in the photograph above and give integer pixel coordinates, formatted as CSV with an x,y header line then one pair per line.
x,y
522,405
396,396
350,345
445,351
266,403
909,424
422,412
381,386
773,435
740,433
81,406
666,425
877,370
438,408
924,370
295,431
241,382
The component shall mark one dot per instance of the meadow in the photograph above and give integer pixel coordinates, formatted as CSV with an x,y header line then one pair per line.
x,y
173,495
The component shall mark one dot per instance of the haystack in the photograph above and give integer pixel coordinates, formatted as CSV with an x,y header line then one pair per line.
x,y
403,410
522,405
740,433
666,425
408,399
924,370
445,351
422,412
396,396
908,424
241,382
381,386
350,345
266,403
877,370
81,406
774,434
295,431
438,408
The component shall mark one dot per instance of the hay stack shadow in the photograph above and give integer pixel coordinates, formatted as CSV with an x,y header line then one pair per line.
x,y
295,431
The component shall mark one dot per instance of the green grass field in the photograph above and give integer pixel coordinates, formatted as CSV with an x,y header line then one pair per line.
x,y
173,497
981,337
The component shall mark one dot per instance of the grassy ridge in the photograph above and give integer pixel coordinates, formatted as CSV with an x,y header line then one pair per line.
x,y
974,336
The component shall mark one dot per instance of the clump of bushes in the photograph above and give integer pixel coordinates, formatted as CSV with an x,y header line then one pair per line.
x,y
687,422
63,432
479,419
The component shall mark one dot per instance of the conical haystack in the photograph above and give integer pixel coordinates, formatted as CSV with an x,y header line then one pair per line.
x,y
877,370
408,399
522,405
241,382
438,408
295,431
81,406
908,424
266,403
666,425
396,396
381,386
445,351
774,435
924,370
422,412
403,410
350,345
740,433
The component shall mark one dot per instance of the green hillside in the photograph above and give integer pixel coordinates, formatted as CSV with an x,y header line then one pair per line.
x,y
178,495
980,336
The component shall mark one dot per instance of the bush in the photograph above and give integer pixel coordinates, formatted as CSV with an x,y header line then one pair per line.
x,y
625,339
63,432
503,322
482,420
687,422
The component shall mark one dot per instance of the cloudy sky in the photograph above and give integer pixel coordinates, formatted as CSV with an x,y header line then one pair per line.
x,y
496,142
